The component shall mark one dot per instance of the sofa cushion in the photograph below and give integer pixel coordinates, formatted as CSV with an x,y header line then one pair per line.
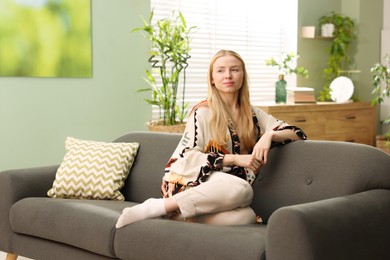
x,y
160,238
93,170
86,224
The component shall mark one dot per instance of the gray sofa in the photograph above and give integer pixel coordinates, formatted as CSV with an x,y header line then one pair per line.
x,y
319,199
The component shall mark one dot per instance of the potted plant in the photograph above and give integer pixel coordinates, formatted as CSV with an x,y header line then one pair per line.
x,y
169,55
286,64
381,77
342,37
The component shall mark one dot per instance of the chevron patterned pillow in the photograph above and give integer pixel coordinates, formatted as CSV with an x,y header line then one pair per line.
x,y
93,170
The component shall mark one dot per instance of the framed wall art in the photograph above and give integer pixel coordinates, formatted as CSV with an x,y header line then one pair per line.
x,y
45,38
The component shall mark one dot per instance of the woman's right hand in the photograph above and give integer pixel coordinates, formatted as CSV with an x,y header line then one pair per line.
x,y
243,160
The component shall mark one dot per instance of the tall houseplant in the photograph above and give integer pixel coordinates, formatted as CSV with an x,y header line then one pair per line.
x,y
338,59
169,55
381,77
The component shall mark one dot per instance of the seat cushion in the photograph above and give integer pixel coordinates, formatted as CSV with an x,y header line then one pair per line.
x,y
160,238
86,224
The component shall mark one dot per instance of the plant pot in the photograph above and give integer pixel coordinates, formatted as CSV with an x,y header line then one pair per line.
x,y
156,126
327,30
383,144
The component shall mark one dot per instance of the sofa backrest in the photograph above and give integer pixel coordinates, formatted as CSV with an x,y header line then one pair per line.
x,y
306,171
144,180
298,172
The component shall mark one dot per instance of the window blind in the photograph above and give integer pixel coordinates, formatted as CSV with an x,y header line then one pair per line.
x,y
256,29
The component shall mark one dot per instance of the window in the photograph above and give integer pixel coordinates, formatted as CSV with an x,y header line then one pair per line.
x,y
256,29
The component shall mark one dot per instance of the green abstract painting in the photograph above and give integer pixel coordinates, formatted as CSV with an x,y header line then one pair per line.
x,y
45,38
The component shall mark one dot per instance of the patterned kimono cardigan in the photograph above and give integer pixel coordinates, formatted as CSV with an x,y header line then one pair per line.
x,y
197,156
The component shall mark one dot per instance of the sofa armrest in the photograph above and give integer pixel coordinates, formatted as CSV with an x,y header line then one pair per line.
x,y
16,185
351,227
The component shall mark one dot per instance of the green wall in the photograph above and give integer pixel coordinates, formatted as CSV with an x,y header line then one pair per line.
x,y
313,55
36,114
365,51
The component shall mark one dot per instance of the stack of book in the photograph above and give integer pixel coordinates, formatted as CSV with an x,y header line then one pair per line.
x,y
300,95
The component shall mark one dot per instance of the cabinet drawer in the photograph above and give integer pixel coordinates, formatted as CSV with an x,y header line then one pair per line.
x,y
348,121
362,137
309,122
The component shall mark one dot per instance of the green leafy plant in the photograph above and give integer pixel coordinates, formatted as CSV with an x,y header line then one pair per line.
x,y
287,64
381,76
343,35
169,55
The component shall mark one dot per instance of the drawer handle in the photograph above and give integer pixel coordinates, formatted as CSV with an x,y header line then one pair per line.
x,y
350,117
302,120
351,140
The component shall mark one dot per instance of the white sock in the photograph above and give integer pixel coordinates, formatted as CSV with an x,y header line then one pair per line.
x,y
151,208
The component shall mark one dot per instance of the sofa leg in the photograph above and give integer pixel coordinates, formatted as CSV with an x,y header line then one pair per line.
x,y
11,256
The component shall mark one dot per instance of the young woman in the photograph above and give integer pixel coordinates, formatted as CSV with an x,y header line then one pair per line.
x,y
208,178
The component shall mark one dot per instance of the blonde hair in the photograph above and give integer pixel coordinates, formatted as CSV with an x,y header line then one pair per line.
x,y
220,115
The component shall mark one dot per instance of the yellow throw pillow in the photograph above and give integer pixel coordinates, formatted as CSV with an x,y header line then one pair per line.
x,y
93,170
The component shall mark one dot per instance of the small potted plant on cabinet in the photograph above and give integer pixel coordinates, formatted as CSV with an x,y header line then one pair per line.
x,y
381,90
342,37
286,64
169,55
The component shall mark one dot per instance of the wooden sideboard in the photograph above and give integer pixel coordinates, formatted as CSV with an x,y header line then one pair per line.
x,y
350,122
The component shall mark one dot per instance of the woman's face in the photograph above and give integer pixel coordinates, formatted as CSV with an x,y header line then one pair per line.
x,y
227,75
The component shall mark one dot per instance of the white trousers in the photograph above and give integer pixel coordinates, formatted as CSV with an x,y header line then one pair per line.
x,y
223,199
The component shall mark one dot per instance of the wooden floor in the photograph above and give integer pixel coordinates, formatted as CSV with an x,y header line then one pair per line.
x,y
3,255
